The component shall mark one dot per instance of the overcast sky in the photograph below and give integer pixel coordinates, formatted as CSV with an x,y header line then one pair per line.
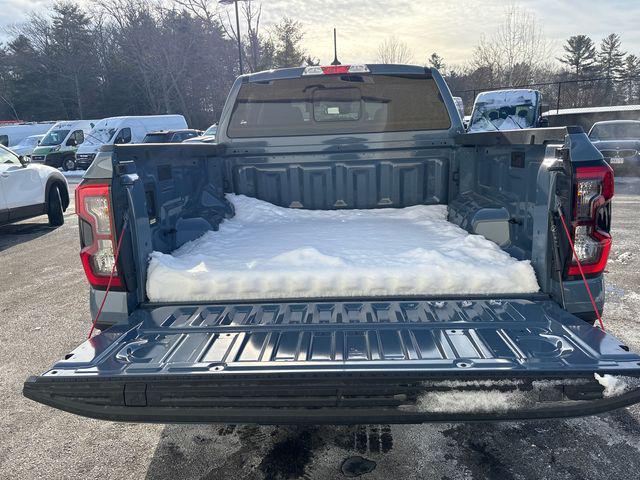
x,y
449,27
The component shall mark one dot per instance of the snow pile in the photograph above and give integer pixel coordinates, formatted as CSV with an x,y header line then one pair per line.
x,y
266,251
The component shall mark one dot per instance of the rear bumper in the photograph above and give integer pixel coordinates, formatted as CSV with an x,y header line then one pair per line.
x,y
311,400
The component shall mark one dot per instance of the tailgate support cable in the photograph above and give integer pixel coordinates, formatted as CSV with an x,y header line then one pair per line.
x,y
116,254
575,256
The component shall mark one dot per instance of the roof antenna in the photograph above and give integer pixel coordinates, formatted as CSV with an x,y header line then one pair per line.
x,y
335,50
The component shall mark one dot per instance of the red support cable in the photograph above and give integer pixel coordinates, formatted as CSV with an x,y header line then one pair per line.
x,y
584,279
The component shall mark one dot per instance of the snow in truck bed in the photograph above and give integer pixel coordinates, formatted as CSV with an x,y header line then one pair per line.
x,y
266,251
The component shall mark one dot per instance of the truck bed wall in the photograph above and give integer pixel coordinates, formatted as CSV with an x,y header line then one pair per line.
x,y
182,187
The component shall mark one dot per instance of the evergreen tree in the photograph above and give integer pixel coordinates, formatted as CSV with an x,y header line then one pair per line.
x,y
70,57
437,62
286,37
610,62
631,78
580,55
610,57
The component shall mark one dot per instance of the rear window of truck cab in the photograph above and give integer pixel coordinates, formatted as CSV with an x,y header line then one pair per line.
x,y
337,105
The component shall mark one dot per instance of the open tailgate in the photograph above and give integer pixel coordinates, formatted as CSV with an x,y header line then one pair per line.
x,y
344,362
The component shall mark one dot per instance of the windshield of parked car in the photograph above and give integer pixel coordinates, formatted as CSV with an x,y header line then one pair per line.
x,y
54,137
338,105
156,138
212,130
504,110
99,136
28,141
616,131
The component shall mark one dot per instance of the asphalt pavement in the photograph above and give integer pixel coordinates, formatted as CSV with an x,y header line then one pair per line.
x,y
44,314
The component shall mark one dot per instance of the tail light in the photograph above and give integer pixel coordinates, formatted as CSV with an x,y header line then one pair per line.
x,y
93,206
592,218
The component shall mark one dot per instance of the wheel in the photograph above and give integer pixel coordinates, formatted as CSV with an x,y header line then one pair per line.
x,y
55,214
69,163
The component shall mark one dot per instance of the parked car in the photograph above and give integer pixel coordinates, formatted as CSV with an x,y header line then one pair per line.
x,y
30,190
171,136
499,110
208,136
210,316
619,143
26,146
58,147
11,135
122,130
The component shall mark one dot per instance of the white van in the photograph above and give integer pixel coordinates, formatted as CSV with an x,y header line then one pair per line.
x,y
119,130
11,135
59,145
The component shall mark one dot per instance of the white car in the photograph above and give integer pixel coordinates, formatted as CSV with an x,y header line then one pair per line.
x,y
208,136
30,190
27,145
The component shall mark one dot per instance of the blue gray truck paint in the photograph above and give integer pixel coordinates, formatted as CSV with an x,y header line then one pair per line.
x,y
182,362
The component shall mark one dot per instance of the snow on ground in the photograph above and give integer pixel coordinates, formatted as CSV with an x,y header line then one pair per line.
x,y
266,251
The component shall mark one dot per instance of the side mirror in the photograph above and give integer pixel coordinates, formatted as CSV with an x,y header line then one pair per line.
x,y
72,142
24,160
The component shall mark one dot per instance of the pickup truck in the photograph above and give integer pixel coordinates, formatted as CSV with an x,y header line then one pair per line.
x,y
359,138
507,110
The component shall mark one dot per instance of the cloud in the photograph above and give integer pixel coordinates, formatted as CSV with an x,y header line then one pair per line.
x,y
450,27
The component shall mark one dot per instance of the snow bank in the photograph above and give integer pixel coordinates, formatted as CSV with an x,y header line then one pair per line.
x,y
266,251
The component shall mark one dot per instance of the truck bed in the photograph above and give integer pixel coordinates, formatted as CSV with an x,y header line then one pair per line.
x,y
265,252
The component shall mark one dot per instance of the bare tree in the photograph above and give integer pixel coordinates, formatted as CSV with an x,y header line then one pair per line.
x,y
206,10
516,50
392,50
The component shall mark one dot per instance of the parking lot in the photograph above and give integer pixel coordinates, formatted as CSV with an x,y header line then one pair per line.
x,y
44,313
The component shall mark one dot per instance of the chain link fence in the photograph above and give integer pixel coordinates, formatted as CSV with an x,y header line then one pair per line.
x,y
592,92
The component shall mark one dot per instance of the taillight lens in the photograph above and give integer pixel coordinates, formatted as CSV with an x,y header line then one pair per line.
x,y
93,207
593,191
335,69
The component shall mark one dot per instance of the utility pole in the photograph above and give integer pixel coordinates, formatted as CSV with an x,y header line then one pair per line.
x,y
229,2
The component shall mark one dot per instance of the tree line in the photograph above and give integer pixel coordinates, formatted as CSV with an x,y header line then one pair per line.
x,y
135,57
519,54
